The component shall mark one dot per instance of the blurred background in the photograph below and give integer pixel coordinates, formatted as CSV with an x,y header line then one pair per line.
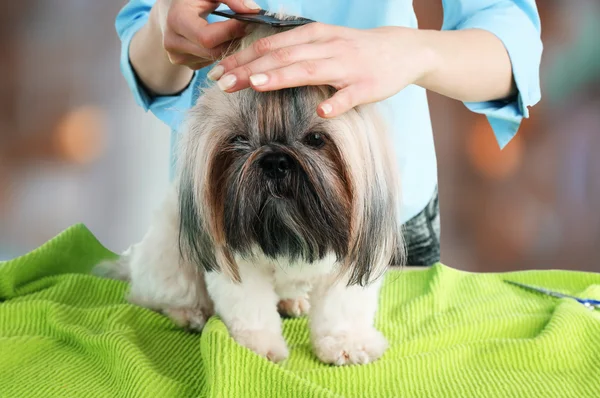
x,y
74,147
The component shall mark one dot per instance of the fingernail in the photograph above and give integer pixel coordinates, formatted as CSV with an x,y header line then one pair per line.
x,y
251,4
326,108
226,82
215,73
259,80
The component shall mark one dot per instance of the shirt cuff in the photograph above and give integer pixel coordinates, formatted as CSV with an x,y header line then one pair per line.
x,y
521,38
142,97
170,109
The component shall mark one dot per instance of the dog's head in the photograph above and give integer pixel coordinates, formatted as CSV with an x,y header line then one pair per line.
x,y
262,172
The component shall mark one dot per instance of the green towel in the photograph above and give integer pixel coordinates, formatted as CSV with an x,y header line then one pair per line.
x,y
65,333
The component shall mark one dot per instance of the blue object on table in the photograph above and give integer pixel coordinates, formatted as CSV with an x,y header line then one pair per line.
x,y
589,303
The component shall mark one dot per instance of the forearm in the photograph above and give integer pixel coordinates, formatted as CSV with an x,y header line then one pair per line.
x,y
469,65
151,62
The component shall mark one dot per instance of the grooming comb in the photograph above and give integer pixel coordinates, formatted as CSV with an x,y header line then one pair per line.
x,y
263,18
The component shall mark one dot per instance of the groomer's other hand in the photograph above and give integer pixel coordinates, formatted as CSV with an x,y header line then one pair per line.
x,y
363,65
189,39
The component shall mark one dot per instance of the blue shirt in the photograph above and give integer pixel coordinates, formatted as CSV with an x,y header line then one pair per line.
x,y
515,22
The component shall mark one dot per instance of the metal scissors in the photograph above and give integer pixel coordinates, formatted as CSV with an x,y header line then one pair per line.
x,y
263,18
589,303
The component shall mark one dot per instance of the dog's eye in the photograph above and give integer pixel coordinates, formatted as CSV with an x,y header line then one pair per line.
x,y
314,140
239,139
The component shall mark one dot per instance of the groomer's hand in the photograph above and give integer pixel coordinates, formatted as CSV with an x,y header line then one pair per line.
x,y
177,40
371,65
189,39
363,65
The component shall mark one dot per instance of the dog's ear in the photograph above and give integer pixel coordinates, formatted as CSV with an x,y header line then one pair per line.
x,y
376,238
376,235
195,242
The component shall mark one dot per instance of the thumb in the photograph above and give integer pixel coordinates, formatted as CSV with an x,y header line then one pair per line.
x,y
242,6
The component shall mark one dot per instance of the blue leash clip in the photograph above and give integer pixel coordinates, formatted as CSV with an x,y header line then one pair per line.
x,y
589,303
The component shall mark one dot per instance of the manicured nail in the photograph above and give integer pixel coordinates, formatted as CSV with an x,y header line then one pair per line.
x,y
226,82
251,4
259,80
215,73
326,108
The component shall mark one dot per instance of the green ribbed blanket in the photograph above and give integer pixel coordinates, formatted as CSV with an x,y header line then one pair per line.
x,y
64,333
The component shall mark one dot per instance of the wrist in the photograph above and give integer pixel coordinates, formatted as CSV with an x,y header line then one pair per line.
x,y
428,57
151,62
153,26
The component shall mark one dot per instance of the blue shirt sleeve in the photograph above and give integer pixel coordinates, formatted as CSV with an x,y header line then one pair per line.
x,y
169,109
517,24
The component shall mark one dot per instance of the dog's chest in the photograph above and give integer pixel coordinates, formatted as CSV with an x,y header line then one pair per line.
x,y
299,276
303,271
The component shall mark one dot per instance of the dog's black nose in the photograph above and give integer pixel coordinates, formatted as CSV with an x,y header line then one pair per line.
x,y
276,165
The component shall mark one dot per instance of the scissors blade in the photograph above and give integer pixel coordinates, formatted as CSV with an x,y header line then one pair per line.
x,y
540,290
587,302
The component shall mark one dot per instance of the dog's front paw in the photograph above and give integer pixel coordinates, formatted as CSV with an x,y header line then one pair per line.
x,y
189,318
294,307
350,347
264,343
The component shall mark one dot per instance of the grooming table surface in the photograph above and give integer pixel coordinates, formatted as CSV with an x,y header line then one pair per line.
x,y
65,333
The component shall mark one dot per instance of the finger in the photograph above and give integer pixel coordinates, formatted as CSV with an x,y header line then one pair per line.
x,y
180,49
190,61
205,7
278,59
341,102
217,33
176,44
186,53
303,73
301,35
241,6
211,35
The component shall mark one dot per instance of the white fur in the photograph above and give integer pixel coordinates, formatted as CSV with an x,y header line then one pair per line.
x,y
160,279
247,295
341,318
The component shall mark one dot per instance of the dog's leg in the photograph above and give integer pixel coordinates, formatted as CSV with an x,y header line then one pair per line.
x,y
293,298
249,309
294,307
342,323
162,280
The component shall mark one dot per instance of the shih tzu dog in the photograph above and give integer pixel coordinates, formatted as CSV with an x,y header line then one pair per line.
x,y
274,209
